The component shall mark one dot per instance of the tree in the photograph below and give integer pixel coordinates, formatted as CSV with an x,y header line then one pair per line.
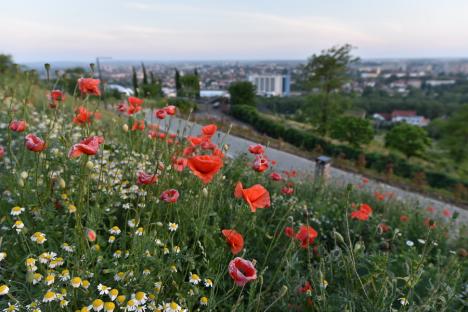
x,y
356,131
242,93
454,134
134,81
190,86
327,73
408,139
145,76
6,63
178,85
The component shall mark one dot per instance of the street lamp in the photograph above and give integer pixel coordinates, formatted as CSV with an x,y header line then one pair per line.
x,y
99,70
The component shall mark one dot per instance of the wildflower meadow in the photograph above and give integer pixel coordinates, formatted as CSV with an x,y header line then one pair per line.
x,y
103,209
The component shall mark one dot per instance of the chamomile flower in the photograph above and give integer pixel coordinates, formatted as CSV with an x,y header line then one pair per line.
x,y
117,254
113,293
3,255
103,290
172,307
65,275
85,284
194,279
4,290
36,278
18,225
115,230
119,276
132,223
16,211
208,282
140,297
139,231
111,239
63,303
204,301
11,308
98,305
131,305
39,238
173,268
109,307
403,301
68,248
173,226
75,282
49,296
176,249
146,272
49,280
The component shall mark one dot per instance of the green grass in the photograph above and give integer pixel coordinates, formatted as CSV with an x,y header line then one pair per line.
x,y
351,265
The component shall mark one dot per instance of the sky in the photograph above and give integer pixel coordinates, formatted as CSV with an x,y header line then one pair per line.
x,y
66,30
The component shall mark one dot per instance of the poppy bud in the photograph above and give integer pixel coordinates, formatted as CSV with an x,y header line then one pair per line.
x,y
338,237
89,165
90,235
24,175
205,192
125,128
62,183
283,290
20,182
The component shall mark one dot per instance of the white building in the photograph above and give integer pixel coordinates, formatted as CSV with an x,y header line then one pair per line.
x,y
271,85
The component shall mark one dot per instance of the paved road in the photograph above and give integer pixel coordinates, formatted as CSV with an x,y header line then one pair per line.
x,y
287,161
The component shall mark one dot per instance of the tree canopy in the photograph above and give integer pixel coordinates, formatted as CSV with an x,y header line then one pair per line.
x,y
408,139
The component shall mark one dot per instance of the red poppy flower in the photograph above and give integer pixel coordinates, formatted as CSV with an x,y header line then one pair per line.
x,y
55,96
379,196
256,149
170,196
90,235
134,101
242,271
179,163
383,228
306,288
89,86
194,141
2,151
430,209
256,196
404,218
205,166
430,223
218,152
446,213
33,143
88,146
138,125
286,190
261,163
82,116
97,115
18,125
122,107
209,130
170,110
289,231
146,178
208,145
234,240
160,114
162,136
306,235
275,176
363,213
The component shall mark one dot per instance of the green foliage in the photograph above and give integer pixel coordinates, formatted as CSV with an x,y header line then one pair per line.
x,y
6,63
242,93
309,141
190,86
408,139
327,73
454,134
135,82
70,78
178,84
184,105
351,265
356,131
145,75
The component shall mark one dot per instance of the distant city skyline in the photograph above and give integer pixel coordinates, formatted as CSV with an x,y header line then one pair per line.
x,y
47,31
